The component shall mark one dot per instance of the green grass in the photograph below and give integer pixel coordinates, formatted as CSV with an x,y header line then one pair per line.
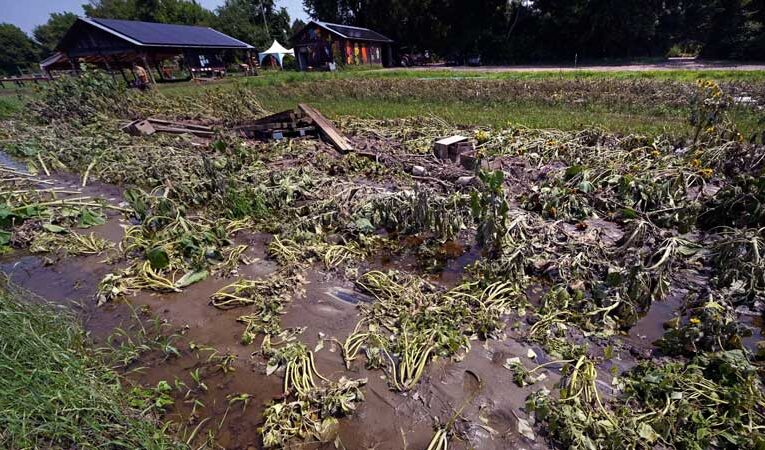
x,y
334,96
55,393
279,90
275,78
10,105
528,115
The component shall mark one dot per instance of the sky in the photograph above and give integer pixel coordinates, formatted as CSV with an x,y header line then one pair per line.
x,y
27,14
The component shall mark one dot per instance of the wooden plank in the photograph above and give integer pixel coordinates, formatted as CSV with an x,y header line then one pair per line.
x,y
451,140
179,124
327,129
284,116
139,127
174,130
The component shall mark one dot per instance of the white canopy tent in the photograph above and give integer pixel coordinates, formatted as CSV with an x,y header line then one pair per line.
x,y
276,50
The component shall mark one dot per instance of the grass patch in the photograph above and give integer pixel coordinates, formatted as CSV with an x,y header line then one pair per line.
x,y
646,102
55,393
10,105
602,103
283,78
528,115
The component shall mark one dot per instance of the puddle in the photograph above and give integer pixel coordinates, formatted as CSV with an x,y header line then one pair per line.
x,y
11,162
348,296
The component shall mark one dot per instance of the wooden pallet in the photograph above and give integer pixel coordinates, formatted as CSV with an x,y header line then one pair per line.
x,y
303,121
150,126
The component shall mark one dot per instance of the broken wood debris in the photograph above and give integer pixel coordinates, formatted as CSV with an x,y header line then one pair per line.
x,y
147,127
303,121
290,123
327,129
441,148
457,149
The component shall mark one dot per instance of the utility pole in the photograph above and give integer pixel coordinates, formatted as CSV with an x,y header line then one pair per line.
x,y
263,11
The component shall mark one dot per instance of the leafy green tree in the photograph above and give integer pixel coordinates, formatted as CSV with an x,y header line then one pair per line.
x,y
520,30
111,9
49,34
17,50
254,21
185,12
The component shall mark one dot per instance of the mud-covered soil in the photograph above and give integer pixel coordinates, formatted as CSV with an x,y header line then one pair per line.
x,y
385,420
278,294
327,309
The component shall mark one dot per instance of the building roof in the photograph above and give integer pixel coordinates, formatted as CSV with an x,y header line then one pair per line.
x,y
349,32
149,34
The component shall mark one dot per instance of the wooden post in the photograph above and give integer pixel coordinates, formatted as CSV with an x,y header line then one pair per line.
x,y
108,66
75,68
188,66
148,68
124,77
159,71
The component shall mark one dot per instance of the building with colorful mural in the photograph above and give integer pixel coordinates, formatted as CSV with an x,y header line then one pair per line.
x,y
319,44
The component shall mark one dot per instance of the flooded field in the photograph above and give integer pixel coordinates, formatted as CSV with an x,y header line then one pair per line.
x,y
565,290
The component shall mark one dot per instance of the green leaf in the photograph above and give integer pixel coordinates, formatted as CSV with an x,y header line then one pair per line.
x,y
573,171
364,225
646,432
5,211
629,213
53,228
88,218
158,258
5,237
190,278
586,186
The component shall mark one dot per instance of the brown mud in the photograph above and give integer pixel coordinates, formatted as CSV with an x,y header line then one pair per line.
x,y
478,385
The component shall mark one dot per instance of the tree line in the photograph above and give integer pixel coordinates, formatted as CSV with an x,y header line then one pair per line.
x,y
501,31
257,22
509,31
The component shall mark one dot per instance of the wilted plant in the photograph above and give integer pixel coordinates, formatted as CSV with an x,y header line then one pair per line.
x,y
739,259
417,211
668,404
709,109
711,326
423,322
490,210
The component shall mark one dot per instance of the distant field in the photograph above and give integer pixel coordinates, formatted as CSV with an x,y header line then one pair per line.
x,y
653,102
649,102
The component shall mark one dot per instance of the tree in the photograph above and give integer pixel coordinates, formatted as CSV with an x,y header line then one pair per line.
x,y
17,50
522,30
49,34
254,21
111,9
184,12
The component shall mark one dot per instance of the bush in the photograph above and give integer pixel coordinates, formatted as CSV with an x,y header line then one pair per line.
x,y
81,98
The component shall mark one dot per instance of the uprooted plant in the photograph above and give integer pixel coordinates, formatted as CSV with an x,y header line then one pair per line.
x,y
412,323
716,402
168,250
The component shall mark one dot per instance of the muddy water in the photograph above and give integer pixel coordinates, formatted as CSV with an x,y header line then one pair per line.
x,y
385,420
477,391
478,385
